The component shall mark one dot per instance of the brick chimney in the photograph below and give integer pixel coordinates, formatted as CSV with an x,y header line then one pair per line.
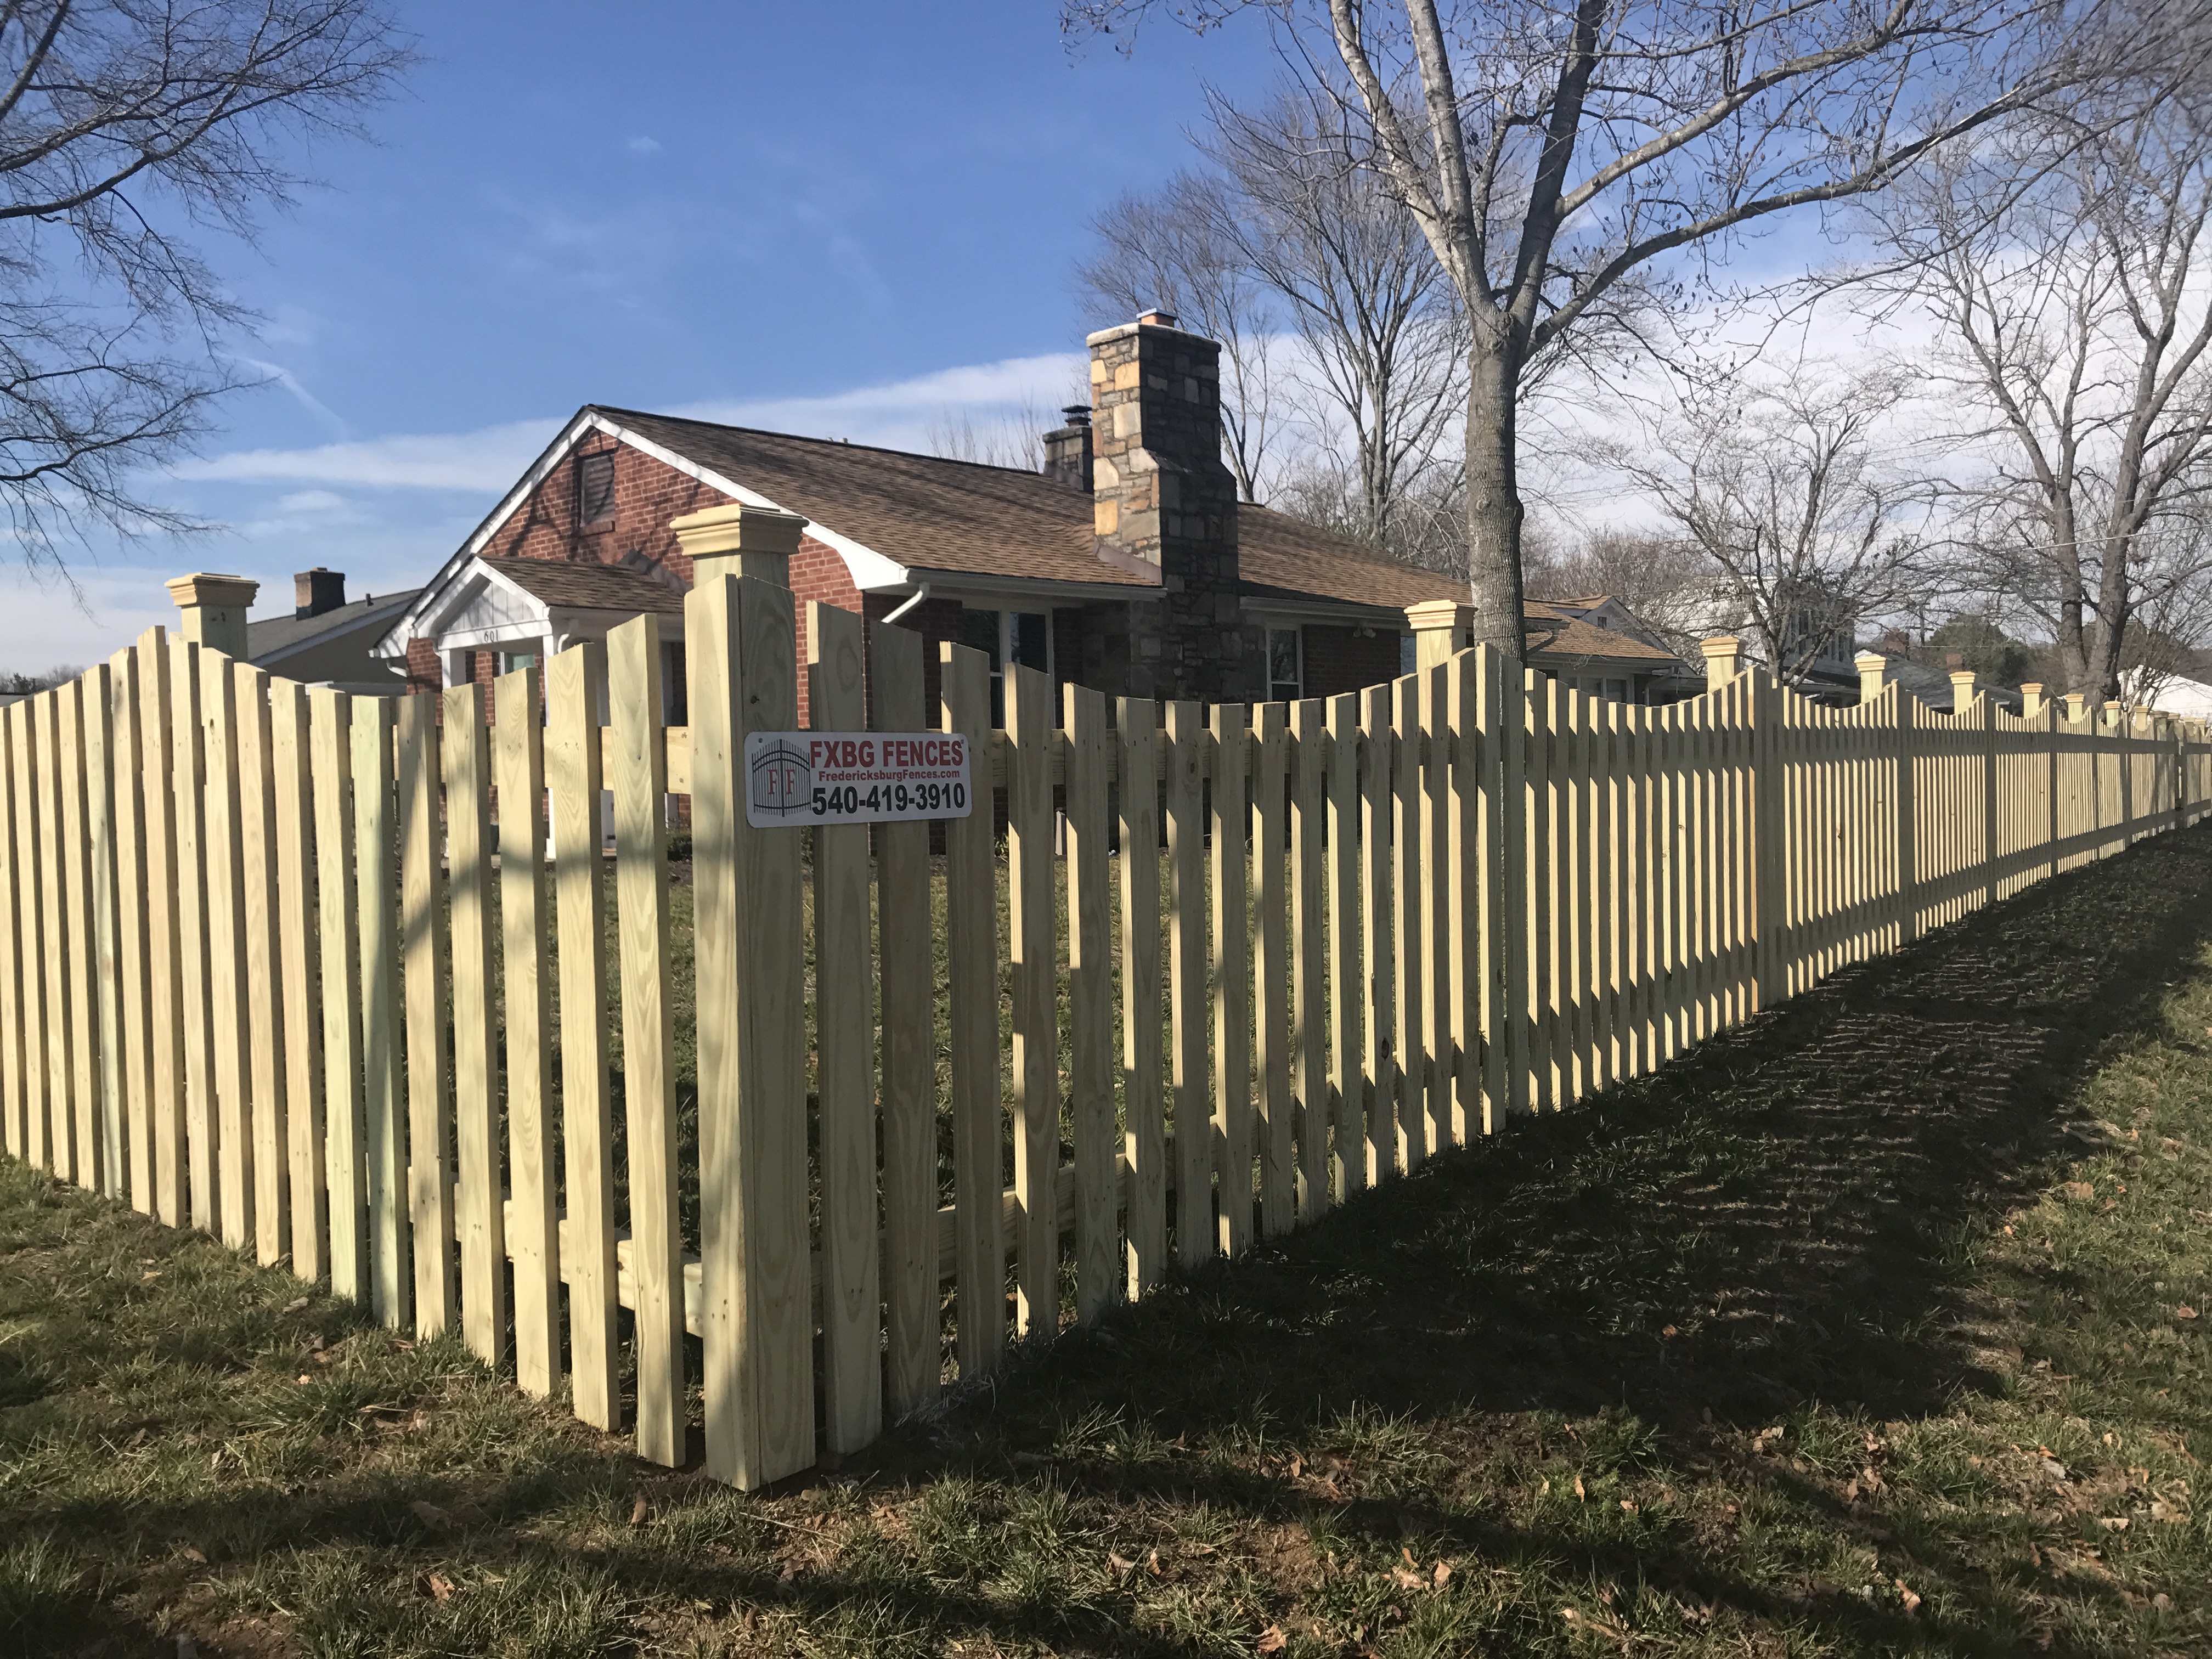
x,y
1068,449
1164,503
314,592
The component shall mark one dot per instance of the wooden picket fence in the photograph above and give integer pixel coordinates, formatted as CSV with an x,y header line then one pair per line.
x,y
315,974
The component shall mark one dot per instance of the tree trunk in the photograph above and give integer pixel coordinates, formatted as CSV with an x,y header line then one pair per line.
x,y
1493,497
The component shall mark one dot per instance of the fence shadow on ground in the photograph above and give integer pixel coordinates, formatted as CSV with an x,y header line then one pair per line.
x,y
1798,1200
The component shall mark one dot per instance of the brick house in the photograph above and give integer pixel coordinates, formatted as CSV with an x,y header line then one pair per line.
x,y
1126,564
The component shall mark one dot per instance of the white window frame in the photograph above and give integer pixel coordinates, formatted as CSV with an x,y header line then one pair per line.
x,y
1298,653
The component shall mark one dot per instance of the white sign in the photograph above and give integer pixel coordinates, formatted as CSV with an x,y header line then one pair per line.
x,y
795,778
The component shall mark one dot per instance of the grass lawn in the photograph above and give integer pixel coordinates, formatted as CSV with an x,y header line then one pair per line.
x,y
1876,1327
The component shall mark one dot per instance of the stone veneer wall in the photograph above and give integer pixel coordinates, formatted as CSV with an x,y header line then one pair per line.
x,y
1162,498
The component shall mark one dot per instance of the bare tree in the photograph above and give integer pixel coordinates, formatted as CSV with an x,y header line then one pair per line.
x,y
2074,329
124,123
1662,577
1787,489
1563,148
1177,250
1382,342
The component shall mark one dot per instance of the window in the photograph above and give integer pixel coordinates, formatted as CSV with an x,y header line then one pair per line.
x,y
509,661
1405,660
674,691
1022,637
1286,675
595,489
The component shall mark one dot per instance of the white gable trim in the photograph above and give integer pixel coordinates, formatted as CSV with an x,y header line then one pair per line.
x,y
870,570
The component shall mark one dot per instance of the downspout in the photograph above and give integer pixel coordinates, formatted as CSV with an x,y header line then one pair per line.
x,y
919,594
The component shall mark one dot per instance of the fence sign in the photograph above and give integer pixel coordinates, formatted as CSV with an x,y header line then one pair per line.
x,y
796,778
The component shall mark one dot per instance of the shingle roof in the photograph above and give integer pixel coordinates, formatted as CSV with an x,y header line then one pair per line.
x,y
919,510
271,635
589,586
933,514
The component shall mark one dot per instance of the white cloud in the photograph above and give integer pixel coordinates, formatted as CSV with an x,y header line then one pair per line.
x,y
489,458
644,146
310,501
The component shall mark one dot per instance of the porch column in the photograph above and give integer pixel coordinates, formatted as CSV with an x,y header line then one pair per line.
x,y
1873,668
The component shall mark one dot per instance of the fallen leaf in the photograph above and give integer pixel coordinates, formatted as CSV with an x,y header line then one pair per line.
x,y
2162,1601
1851,1491
192,1553
295,1304
2184,1311
639,1510
1579,1493
1912,1602
2171,1514
431,1515
304,1377
441,1587
1669,1330
1298,1465
2114,1523
1442,1576
1121,1566
1405,1578
1626,1505
1272,1640
2053,1468
2080,1190
1153,1563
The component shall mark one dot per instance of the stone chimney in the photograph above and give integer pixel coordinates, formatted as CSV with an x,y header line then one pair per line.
x,y
314,592
1068,449
1164,505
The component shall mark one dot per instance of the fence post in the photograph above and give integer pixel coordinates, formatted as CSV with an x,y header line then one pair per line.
x,y
1723,652
1767,926
758,1323
1908,901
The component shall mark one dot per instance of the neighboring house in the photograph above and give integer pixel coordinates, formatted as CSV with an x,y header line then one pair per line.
x,y
2192,700
329,640
1933,687
1127,565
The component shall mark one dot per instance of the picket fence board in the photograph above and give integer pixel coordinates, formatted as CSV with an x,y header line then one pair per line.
x,y
844,1023
1032,957
1090,1007
1143,1059
1190,1027
576,682
907,991
299,968
533,1244
338,916
636,701
1228,882
263,952
464,769
972,990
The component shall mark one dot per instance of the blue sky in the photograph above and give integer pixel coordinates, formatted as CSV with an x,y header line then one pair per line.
x,y
846,220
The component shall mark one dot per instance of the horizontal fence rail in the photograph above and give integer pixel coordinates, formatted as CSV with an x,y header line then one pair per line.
x,y
407,993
